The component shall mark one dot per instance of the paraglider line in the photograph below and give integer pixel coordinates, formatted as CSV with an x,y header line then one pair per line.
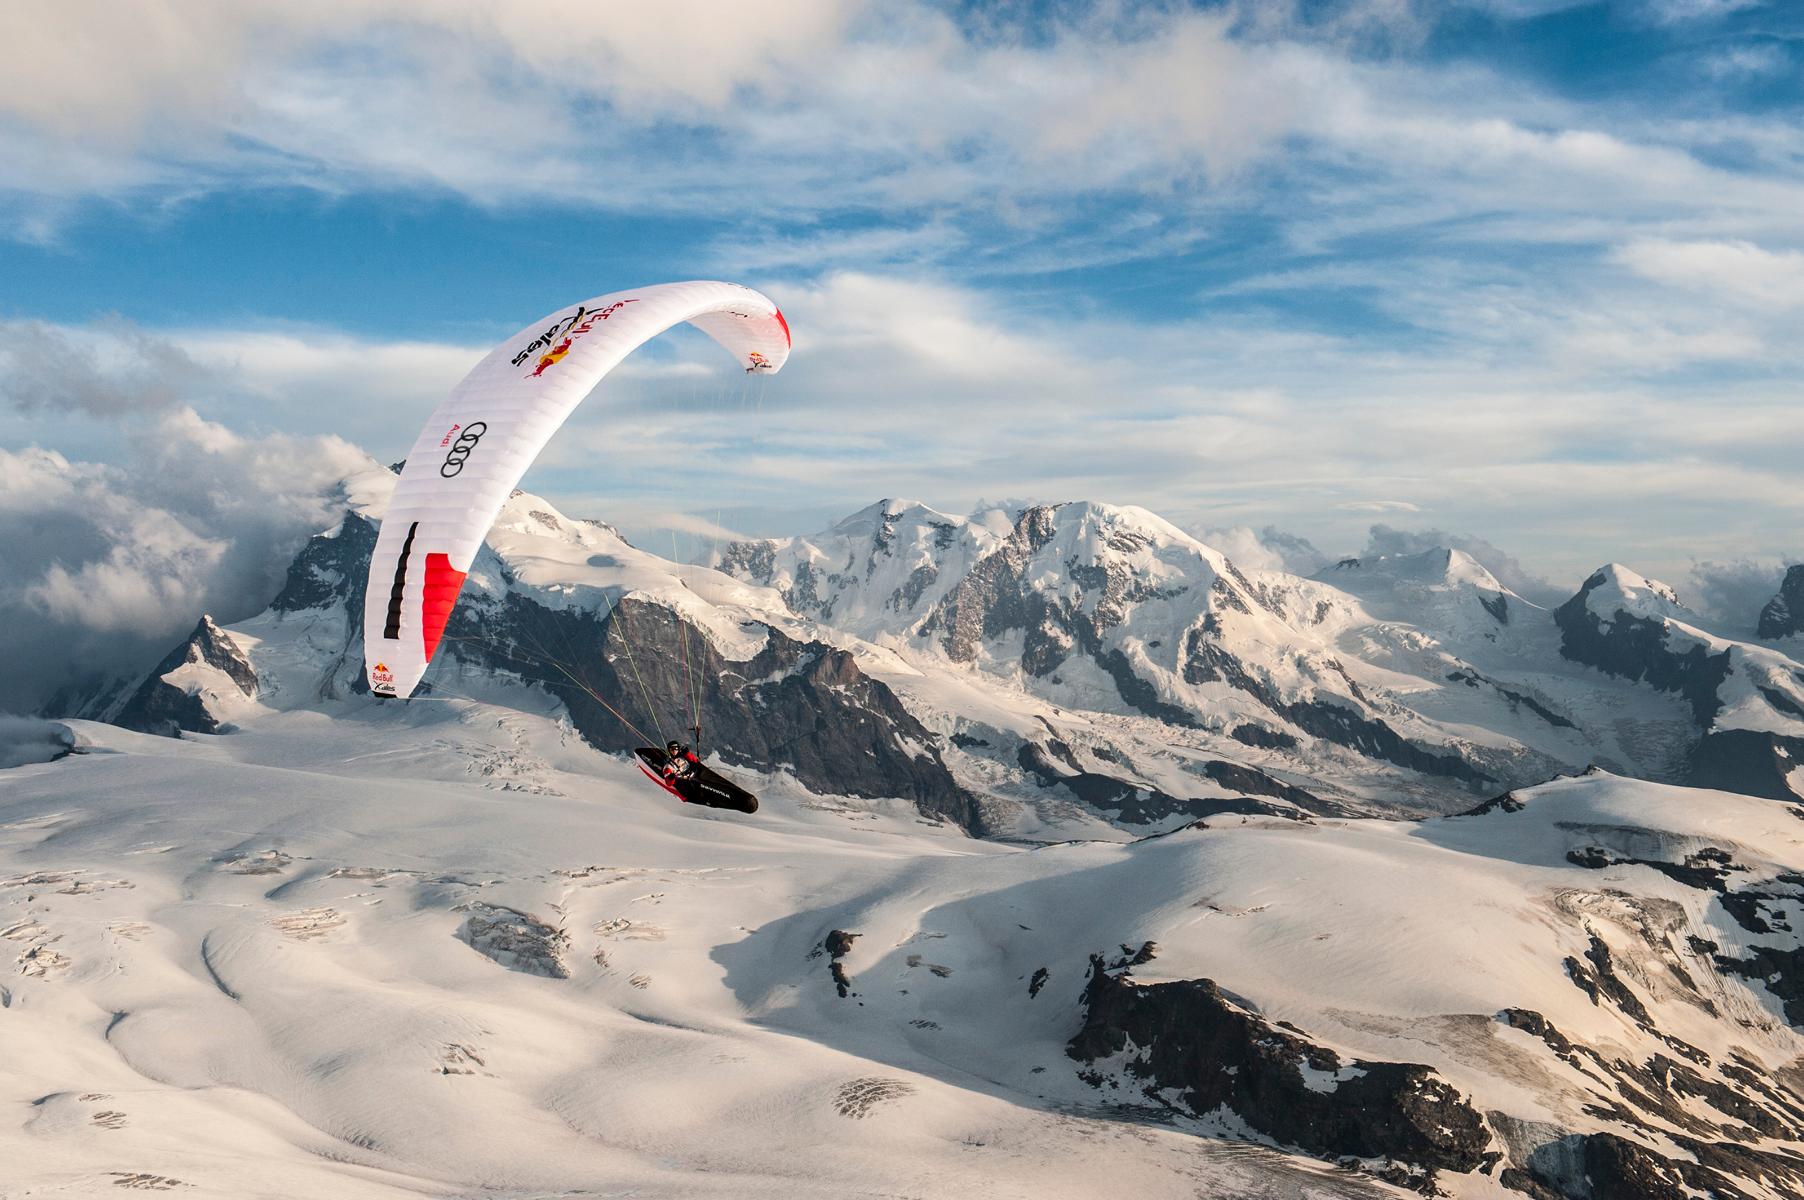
x,y
690,692
575,657
626,640
544,660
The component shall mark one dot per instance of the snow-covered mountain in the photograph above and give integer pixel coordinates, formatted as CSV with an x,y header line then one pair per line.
x,y
1746,701
1417,680
337,930
1043,671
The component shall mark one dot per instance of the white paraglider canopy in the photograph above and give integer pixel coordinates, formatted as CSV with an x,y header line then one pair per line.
x,y
480,441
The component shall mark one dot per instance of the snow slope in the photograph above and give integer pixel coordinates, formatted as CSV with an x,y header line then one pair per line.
x,y
449,947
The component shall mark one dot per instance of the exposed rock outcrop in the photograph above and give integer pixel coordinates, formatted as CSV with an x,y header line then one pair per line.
x,y
1783,615
1186,1043
180,693
1053,764
805,707
330,567
1635,645
1752,762
1627,626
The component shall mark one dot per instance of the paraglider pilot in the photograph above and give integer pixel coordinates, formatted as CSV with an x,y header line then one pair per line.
x,y
680,760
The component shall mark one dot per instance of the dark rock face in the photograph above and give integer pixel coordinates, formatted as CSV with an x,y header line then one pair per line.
x,y
1762,911
805,706
158,706
1636,648
996,598
1508,802
1669,1096
1262,737
1754,763
329,568
991,601
1748,761
1252,781
815,592
1611,1167
1186,1036
1599,980
836,945
1783,615
1053,764
811,592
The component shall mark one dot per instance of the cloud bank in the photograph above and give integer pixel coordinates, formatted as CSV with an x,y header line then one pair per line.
x,y
109,563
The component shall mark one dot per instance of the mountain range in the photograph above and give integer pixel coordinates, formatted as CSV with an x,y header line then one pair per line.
x,y
1088,858
1051,667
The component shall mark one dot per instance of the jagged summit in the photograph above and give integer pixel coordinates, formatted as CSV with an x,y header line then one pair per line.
x,y
1076,662
1783,615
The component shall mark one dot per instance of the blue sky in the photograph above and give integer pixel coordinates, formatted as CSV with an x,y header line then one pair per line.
x,y
1525,271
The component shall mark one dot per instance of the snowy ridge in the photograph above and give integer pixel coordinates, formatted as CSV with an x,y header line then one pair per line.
x,y
1417,679
381,928
1057,670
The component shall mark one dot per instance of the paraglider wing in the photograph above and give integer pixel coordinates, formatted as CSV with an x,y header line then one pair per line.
x,y
485,435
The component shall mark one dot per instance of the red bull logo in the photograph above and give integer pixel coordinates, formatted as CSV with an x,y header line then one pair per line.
x,y
758,361
381,676
554,344
552,357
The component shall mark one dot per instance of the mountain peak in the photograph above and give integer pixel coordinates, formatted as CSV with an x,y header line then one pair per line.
x,y
1783,615
1441,566
1614,588
889,511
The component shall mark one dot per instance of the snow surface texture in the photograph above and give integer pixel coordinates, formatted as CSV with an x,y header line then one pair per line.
x,y
431,949
321,944
450,947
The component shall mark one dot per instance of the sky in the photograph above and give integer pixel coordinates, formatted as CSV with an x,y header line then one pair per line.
x,y
1371,273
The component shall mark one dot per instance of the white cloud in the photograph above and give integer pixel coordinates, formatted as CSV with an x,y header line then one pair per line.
x,y
1267,549
25,740
1386,540
111,369
1733,593
1760,58
108,565
1378,506
909,387
786,106
1672,12
1737,272
88,67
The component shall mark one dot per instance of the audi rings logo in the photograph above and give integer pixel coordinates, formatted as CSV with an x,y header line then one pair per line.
x,y
460,449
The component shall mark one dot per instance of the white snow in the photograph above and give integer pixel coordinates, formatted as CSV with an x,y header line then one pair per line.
x,y
447,948
286,963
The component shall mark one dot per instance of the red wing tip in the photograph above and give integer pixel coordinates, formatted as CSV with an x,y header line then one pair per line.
x,y
787,340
